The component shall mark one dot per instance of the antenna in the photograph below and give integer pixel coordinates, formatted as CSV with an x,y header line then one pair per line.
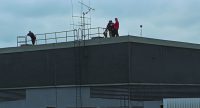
x,y
89,8
83,17
90,21
72,13
84,20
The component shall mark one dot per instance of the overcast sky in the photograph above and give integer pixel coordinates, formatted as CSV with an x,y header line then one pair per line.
x,y
177,20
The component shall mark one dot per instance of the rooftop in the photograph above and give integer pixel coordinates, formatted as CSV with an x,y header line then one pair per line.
x,y
99,41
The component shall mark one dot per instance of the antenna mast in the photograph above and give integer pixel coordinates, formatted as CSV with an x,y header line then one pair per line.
x,y
84,13
84,21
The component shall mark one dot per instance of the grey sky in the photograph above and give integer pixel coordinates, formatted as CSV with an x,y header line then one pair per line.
x,y
177,20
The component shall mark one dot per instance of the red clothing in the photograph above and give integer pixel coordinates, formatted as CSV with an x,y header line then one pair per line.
x,y
116,25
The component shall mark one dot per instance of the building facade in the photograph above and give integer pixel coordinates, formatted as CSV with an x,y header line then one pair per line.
x,y
126,71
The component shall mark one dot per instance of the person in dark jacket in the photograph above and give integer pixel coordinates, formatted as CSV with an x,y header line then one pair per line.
x,y
109,29
33,37
116,28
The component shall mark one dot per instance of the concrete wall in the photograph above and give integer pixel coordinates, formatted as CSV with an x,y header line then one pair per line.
x,y
121,60
67,66
101,64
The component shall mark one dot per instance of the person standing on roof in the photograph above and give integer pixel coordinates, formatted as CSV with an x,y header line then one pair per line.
x,y
109,28
33,37
116,28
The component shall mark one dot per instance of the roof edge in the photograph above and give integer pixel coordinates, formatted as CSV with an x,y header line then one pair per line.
x,y
100,41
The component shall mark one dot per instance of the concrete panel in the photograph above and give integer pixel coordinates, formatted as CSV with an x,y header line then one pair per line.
x,y
13,104
96,64
163,64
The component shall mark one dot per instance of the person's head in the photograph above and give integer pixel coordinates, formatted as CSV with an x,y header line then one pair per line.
x,y
110,21
116,19
30,32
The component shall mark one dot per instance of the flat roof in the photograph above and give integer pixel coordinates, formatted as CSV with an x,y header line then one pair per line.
x,y
100,41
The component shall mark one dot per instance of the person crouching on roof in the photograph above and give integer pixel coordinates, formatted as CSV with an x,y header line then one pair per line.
x,y
33,37
109,29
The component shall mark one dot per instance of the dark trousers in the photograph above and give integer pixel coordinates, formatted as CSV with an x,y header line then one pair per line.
x,y
116,34
33,40
111,33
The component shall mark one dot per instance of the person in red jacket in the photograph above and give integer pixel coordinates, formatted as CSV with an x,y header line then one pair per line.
x,y
116,27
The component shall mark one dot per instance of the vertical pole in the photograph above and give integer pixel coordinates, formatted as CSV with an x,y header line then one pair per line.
x,y
98,32
140,30
45,38
55,37
66,36
17,41
129,73
83,29
74,35
88,34
25,39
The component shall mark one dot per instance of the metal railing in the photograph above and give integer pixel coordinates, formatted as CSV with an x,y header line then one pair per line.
x,y
62,36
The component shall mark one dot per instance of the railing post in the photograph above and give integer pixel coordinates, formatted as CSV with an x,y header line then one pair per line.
x,y
45,38
26,40
76,32
36,41
82,34
79,33
66,36
55,37
17,41
88,34
98,32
